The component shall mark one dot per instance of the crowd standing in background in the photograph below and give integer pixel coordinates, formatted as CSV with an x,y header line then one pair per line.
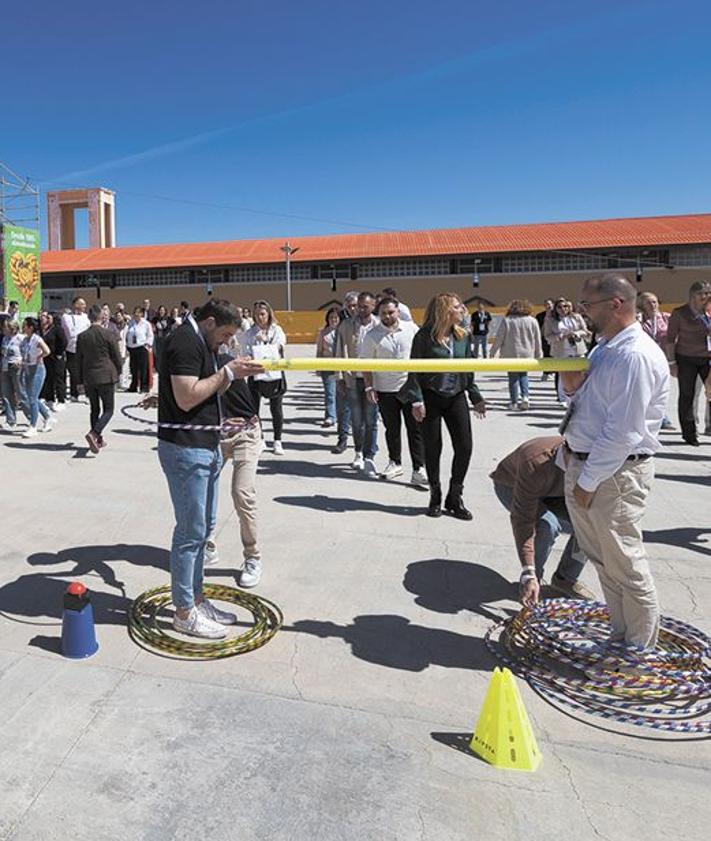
x,y
591,482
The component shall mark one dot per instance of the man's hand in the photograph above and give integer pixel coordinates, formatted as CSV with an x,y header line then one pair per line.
x,y
149,402
418,412
242,368
582,497
529,591
372,396
480,409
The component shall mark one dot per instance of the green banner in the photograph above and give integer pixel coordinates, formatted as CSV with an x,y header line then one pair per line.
x,y
20,253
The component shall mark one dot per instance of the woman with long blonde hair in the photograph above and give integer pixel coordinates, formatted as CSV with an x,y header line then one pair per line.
x,y
438,397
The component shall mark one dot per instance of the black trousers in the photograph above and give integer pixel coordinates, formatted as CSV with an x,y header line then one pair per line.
x,y
689,368
101,402
455,413
55,383
74,374
276,409
138,363
392,412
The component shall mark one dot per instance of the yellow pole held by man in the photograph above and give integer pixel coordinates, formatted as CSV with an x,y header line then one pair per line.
x,y
425,366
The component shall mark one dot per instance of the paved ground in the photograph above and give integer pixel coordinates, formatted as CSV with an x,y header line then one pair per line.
x,y
350,723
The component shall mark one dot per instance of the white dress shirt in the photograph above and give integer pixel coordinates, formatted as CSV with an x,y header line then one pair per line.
x,y
405,314
388,343
139,334
618,410
73,324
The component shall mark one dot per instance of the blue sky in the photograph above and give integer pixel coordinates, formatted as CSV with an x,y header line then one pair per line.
x,y
222,120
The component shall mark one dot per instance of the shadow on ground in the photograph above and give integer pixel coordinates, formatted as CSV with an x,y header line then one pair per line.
x,y
446,586
684,538
394,642
341,505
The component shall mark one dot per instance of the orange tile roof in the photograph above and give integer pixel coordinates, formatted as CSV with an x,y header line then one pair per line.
x,y
549,236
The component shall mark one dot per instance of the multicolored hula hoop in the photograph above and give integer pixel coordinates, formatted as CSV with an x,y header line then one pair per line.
x,y
191,427
558,643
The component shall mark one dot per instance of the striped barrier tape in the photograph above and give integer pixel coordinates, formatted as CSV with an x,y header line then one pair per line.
x,y
233,426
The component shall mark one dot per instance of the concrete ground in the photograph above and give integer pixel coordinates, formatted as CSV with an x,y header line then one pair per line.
x,y
351,723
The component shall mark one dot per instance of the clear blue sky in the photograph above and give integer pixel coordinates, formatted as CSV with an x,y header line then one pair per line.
x,y
396,114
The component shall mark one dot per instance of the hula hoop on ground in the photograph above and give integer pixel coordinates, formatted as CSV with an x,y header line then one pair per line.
x,y
145,630
555,642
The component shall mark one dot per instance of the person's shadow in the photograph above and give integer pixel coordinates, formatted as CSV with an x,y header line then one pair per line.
x,y
394,642
689,538
453,586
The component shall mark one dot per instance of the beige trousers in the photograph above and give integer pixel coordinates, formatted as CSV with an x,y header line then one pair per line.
x,y
610,535
243,450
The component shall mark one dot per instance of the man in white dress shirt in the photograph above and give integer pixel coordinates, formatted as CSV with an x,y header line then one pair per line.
x,y
611,433
74,323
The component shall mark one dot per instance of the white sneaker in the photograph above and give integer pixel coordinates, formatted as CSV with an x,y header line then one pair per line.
x,y
214,614
419,478
251,572
198,625
210,557
58,407
392,470
513,407
358,462
30,432
278,448
370,469
524,405
48,426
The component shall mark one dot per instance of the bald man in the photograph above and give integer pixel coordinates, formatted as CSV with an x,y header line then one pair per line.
x,y
611,433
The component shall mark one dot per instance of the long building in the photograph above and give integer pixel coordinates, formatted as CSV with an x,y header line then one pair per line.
x,y
663,253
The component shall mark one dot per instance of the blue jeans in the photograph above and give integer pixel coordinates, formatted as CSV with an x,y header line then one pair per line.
x,y
329,394
548,527
193,474
343,414
480,343
364,419
33,377
518,380
13,392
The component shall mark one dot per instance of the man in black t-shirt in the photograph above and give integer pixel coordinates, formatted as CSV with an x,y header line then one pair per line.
x,y
188,393
242,446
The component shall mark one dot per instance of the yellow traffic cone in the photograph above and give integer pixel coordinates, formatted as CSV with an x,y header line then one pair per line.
x,y
503,735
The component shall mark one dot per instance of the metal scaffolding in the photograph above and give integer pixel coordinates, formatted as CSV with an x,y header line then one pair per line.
x,y
19,200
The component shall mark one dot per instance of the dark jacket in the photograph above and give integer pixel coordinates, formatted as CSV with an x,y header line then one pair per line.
x,y
424,347
55,340
480,327
98,356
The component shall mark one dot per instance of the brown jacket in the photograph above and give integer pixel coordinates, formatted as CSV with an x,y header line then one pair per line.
x,y
687,334
531,473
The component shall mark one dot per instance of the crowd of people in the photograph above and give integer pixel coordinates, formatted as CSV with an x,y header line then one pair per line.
x,y
590,481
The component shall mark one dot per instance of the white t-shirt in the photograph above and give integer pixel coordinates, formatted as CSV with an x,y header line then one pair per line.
x,y
31,350
73,324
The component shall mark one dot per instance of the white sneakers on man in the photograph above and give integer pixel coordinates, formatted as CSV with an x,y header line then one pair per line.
x,y
48,426
30,432
419,478
369,468
278,448
358,463
214,614
197,624
392,470
251,572
211,556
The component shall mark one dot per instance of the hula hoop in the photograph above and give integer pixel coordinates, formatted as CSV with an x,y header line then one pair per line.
x,y
554,643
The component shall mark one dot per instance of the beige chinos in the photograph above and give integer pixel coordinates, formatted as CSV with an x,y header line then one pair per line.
x,y
610,535
243,450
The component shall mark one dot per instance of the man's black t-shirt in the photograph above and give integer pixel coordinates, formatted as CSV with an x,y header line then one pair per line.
x,y
186,354
238,400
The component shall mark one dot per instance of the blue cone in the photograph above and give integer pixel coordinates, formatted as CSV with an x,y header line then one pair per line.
x,y
78,635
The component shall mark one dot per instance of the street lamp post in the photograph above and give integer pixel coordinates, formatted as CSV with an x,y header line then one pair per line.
x,y
288,251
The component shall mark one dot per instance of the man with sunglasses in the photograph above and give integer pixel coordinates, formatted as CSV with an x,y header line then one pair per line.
x,y
611,433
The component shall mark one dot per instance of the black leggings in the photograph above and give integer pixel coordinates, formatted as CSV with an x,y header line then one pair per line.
x,y
275,408
689,368
455,413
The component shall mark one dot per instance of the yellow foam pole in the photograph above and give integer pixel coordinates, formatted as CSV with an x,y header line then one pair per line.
x,y
424,366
